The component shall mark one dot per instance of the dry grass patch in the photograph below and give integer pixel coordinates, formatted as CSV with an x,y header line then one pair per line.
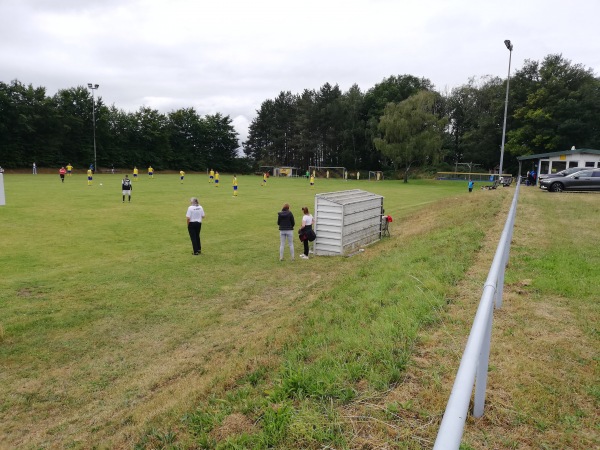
x,y
234,424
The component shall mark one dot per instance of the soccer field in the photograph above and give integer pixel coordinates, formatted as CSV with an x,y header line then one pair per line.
x,y
107,321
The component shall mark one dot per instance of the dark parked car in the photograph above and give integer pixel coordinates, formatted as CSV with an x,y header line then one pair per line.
x,y
562,173
584,180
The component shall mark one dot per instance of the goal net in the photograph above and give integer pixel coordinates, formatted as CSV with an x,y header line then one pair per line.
x,y
375,175
327,171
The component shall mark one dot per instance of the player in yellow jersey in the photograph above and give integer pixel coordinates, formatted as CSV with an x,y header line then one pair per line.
x,y
312,181
69,169
181,175
150,172
211,176
90,176
216,179
264,181
135,173
235,186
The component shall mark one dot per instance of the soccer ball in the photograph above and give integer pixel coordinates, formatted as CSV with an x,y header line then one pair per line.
x,y
100,184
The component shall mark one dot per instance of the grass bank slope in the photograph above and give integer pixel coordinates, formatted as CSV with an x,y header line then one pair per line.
x,y
544,366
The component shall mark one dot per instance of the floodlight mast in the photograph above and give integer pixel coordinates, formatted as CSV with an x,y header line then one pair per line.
x,y
509,46
93,87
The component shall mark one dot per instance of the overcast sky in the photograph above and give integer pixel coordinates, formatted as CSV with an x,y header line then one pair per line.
x,y
228,56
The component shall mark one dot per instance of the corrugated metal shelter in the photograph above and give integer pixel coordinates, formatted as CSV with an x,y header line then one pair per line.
x,y
346,220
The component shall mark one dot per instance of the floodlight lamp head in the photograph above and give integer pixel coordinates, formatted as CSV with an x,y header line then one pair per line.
x,y
96,86
508,45
90,85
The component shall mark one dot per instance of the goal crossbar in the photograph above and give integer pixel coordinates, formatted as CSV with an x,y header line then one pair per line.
x,y
375,175
327,171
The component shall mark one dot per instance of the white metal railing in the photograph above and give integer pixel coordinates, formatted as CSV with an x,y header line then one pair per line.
x,y
474,363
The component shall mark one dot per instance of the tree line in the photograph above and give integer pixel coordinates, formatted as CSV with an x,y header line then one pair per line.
x,y
398,124
403,122
54,131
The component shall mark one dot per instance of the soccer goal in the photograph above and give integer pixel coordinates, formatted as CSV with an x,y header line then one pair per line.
x,y
375,175
327,171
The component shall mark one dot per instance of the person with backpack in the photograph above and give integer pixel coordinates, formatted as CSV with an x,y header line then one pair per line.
x,y
306,232
127,187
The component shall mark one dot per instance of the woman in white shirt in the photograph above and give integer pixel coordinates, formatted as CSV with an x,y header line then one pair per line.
x,y
306,229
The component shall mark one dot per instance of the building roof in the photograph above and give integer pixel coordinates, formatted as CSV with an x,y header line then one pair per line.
x,y
564,152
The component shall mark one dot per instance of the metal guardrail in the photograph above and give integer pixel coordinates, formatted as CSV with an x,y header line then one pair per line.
x,y
474,363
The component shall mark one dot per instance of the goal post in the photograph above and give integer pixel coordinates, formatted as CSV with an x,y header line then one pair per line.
x,y
375,175
327,171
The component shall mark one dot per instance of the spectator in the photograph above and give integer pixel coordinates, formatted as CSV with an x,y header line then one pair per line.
x,y
285,220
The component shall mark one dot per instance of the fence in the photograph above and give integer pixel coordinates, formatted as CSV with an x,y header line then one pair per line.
x,y
474,363
466,176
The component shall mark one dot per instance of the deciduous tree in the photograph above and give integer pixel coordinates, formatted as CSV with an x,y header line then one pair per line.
x,y
412,131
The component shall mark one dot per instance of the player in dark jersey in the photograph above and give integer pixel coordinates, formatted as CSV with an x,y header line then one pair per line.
x,y
127,187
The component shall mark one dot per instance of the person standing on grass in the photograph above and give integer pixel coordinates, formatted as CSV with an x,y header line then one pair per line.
x,y
69,169
181,175
62,172
126,187
90,175
306,230
235,186
285,220
150,172
211,176
471,184
312,181
194,216
135,173
34,169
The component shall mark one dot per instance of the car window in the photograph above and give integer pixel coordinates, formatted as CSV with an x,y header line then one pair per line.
x,y
596,174
583,173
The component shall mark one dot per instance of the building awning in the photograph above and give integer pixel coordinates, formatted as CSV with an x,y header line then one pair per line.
x,y
564,152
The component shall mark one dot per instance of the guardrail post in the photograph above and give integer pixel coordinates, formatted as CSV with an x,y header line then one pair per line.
x,y
482,368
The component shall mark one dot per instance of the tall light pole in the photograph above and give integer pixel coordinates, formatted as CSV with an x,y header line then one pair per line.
x,y
93,87
510,48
